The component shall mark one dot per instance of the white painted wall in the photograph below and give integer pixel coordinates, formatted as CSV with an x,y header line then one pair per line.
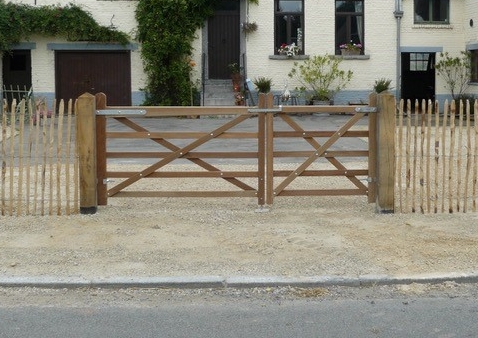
x,y
380,40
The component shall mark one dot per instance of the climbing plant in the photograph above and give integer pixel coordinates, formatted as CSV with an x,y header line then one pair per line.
x,y
20,21
166,30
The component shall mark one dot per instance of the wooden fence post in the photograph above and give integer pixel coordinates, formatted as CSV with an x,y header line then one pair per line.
x,y
386,111
86,143
372,150
101,151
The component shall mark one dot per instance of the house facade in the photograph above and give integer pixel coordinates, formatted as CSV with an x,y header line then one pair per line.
x,y
401,40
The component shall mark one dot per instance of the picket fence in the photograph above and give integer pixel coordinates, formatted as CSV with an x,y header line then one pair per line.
x,y
436,158
39,174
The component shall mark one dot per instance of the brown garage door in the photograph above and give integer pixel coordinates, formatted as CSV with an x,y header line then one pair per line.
x,y
77,72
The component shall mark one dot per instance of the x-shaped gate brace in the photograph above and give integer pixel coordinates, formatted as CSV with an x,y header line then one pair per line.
x,y
182,152
319,151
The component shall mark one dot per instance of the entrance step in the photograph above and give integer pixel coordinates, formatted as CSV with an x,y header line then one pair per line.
x,y
218,93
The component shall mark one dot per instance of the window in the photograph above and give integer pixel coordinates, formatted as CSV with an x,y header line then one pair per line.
x,y
419,62
289,24
474,65
349,21
432,11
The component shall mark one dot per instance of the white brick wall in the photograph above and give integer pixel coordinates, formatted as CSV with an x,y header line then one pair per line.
x,y
380,40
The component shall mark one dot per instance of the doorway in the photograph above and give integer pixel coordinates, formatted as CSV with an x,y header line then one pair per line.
x,y
418,77
223,39
77,72
17,73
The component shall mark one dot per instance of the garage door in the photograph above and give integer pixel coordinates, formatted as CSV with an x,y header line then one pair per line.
x,y
77,72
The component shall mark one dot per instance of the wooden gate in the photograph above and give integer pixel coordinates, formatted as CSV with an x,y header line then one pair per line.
x,y
262,131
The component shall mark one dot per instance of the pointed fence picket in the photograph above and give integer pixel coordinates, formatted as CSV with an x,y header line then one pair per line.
x,y
437,157
38,160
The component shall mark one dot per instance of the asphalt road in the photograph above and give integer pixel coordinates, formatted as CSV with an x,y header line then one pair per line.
x,y
385,311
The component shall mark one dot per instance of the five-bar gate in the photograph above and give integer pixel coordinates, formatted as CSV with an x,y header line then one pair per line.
x,y
252,135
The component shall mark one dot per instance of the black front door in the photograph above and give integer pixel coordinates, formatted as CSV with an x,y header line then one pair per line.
x,y
223,39
418,77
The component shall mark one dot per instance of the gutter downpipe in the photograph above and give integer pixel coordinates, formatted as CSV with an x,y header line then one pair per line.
x,y
398,13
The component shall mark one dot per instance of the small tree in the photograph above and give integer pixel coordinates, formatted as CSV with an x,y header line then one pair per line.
x,y
320,77
456,71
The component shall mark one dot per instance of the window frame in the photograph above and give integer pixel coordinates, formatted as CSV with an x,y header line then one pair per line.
x,y
290,38
418,19
349,16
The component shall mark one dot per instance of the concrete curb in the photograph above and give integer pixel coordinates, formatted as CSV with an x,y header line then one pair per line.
x,y
192,282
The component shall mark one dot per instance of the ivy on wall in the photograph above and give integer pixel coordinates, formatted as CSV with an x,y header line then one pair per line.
x,y
166,30
20,21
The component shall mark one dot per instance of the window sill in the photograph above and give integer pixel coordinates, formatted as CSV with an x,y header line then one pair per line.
x,y
353,57
432,26
285,57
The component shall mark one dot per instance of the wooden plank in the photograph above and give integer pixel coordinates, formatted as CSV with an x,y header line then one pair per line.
x,y
183,193
175,135
329,154
444,154
68,159
101,187
323,192
451,154
29,156
269,158
37,159
163,111
321,133
20,157
459,194
261,164
415,157
186,174
399,152
59,156
325,173
4,159
469,155
190,155
437,157
428,156
408,163
422,155
76,170
51,143
386,154
13,118
86,141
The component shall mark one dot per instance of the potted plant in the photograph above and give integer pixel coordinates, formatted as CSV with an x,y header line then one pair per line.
x,y
263,84
236,77
382,85
288,50
320,77
350,48
249,27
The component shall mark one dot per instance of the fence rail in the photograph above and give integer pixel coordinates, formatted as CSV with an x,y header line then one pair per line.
x,y
39,174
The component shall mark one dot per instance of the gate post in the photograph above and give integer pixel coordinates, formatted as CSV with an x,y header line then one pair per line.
x,y
86,145
385,166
